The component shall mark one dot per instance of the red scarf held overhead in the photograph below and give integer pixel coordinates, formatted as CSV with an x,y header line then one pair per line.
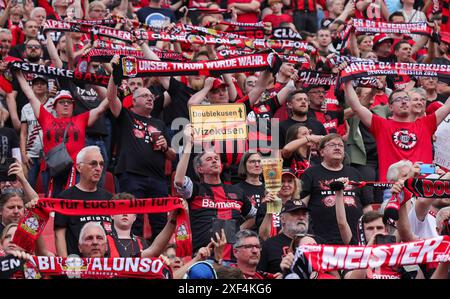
x,y
132,67
102,268
331,257
34,221
369,26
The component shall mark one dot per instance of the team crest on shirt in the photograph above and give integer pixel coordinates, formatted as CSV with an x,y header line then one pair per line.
x,y
404,139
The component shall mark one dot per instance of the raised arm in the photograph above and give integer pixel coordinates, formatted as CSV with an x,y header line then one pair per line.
x,y
184,159
199,96
162,239
52,52
353,101
111,92
26,88
261,85
443,111
149,54
94,114
341,217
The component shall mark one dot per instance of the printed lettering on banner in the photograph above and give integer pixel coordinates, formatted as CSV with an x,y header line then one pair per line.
x,y
218,122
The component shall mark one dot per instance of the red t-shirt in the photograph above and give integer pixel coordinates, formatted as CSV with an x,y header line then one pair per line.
x,y
277,20
403,140
250,17
53,131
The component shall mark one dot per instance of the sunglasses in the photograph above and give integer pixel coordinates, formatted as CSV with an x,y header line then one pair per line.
x,y
33,47
95,163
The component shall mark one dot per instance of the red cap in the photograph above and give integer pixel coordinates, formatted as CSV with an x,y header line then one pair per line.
x,y
218,83
381,37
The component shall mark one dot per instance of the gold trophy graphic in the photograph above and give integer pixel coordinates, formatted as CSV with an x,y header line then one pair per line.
x,y
272,172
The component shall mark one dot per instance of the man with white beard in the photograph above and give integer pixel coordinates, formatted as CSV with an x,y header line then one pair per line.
x,y
294,221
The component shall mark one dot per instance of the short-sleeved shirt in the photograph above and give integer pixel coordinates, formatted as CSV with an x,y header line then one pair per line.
x,y
74,224
403,140
136,154
53,131
322,201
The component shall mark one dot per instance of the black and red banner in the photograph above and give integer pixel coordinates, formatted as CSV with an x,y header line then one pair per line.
x,y
369,26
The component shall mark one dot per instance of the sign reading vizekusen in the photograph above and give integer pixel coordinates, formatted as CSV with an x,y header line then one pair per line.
x,y
218,122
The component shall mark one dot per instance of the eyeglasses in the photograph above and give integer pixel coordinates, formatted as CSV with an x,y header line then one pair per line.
x,y
401,99
33,46
63,102
254,161
95,163
250,246
335,145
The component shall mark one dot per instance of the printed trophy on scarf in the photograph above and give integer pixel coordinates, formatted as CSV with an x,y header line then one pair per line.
x,y
272,172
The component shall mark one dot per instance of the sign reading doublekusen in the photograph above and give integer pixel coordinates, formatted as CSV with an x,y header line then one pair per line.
x,y
218,122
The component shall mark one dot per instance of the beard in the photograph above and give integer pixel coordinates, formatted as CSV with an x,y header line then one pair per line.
x,y
293,228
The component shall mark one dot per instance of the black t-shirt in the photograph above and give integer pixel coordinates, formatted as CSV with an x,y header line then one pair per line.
x,y
8,141
180,95
315,182
214,201
331,120
74,224
370,146
136,153
158,103
273,251
252,193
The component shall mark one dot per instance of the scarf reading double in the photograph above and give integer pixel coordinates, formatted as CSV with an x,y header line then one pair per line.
x,y
369,26
101,268
34,220
359,69
330,257
419,187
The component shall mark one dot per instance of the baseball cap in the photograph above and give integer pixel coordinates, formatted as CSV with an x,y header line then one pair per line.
x,y
288,171
63,94
218,83
293,205
201,270
379,38
39,77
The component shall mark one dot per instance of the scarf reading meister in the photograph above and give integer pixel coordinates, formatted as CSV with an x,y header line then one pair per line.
x,y
329,257
34,220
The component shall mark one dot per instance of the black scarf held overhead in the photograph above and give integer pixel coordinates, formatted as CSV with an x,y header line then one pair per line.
x,y
369,26
90,78
359,69
131,67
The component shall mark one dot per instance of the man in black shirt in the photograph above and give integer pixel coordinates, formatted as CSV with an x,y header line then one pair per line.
x,y
316,192
143,149
67,228
298,102
294,220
